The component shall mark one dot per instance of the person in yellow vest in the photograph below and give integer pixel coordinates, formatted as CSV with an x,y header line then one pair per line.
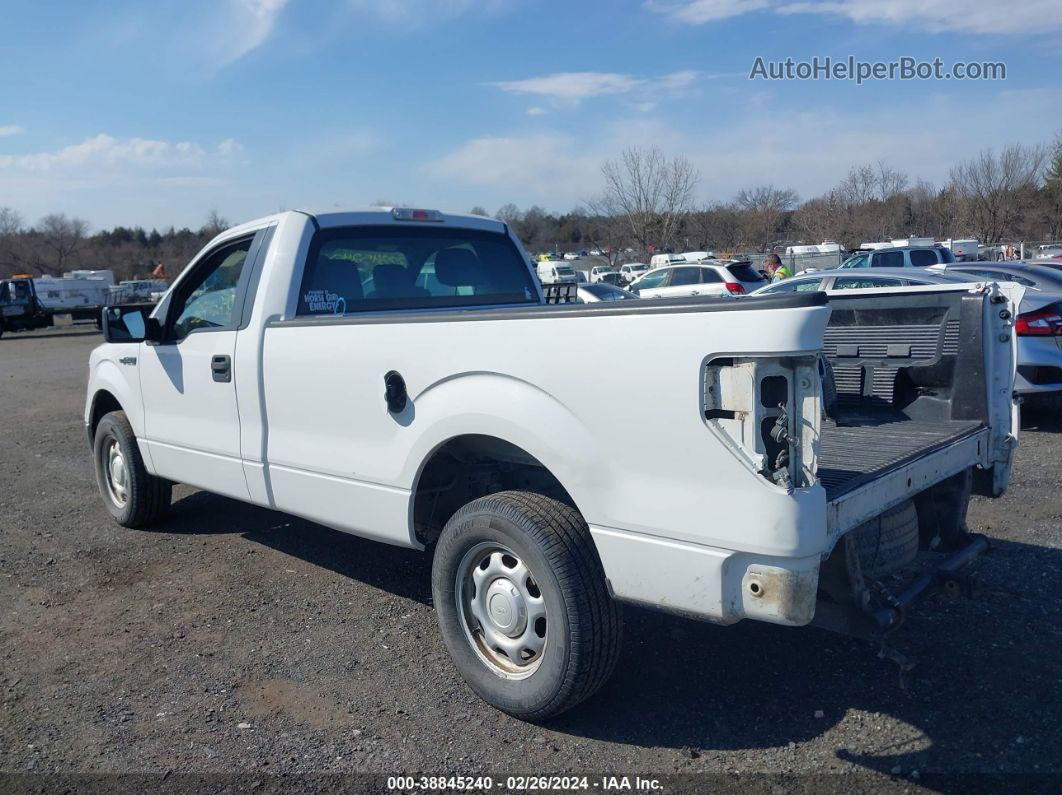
x,y
775,269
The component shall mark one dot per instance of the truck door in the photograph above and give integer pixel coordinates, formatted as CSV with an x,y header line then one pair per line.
x,y
192,425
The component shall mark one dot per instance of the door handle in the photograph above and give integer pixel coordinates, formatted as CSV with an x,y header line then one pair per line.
x,y
695,292
221,368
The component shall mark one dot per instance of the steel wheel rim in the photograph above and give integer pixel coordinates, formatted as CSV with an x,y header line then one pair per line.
x,y
116,472
502,610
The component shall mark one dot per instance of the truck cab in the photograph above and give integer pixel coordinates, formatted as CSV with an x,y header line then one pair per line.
x,y
20,308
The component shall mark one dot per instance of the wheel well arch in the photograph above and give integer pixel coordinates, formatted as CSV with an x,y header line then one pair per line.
x,y
470,466
103,403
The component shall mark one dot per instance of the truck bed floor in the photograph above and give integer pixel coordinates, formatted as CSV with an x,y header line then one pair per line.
x,y
867,445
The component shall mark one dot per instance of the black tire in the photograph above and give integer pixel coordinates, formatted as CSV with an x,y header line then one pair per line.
x,y
582,629
146,497
888,542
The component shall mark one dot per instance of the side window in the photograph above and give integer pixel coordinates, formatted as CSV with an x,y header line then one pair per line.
x,y
860,261
787,286
923,258
709,276
808,285
208,299
888,259
654,279
860,283
684,276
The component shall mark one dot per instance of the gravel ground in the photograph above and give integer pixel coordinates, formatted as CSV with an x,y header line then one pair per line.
x,y
233,639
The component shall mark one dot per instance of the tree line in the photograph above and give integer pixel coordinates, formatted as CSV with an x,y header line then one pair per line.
x,y
647,201
58,243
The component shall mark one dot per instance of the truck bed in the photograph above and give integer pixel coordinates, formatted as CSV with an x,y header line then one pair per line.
x,y
873,443
912,405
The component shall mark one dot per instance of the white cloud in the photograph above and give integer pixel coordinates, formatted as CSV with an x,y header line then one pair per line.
x,y
698,12
520,165
241,26
571,88
811,152
536,110
191,182
972,16
107,152
11,129
417,13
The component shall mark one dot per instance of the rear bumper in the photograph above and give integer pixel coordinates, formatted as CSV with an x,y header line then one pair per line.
x,y
1039,365
707,583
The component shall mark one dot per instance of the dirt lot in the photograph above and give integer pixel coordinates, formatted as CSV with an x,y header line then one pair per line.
x,y
234,639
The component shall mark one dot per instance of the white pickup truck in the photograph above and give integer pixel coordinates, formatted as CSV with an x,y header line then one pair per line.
x,y
394,374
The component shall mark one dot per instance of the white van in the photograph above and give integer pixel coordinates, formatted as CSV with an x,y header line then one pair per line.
x,y
662,260
964,250
556,271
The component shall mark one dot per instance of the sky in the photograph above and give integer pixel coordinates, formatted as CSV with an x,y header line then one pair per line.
x,y
153,114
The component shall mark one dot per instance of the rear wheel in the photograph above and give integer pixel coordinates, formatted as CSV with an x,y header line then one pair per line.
x,y
522,603
134,497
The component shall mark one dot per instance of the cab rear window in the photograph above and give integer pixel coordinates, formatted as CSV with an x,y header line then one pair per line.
x,y
375,268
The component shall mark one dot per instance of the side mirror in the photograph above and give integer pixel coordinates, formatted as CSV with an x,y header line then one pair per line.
x,y
131,323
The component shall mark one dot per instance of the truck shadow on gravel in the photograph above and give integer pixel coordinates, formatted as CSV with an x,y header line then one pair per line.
x,y
699,688
403,572
964,707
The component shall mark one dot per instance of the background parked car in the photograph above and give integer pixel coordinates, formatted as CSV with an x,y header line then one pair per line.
x,y
632,270
721,278
1051,251
900,257
598,271
614,278
572,255
594,293
660,260
1039,323
1023,273
555,272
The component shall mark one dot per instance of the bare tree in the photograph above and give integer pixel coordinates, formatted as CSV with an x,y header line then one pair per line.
x,y
890,182
822,218
766,206
10,241
1053,190
62,238
650,192
606,231
860,186
215,224
995,187
477,210
716,226
10,222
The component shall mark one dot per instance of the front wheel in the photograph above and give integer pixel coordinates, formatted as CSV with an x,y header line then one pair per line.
x,y
134,497
522,603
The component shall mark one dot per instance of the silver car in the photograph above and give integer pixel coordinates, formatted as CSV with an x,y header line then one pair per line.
x,y
707,277
1039,323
